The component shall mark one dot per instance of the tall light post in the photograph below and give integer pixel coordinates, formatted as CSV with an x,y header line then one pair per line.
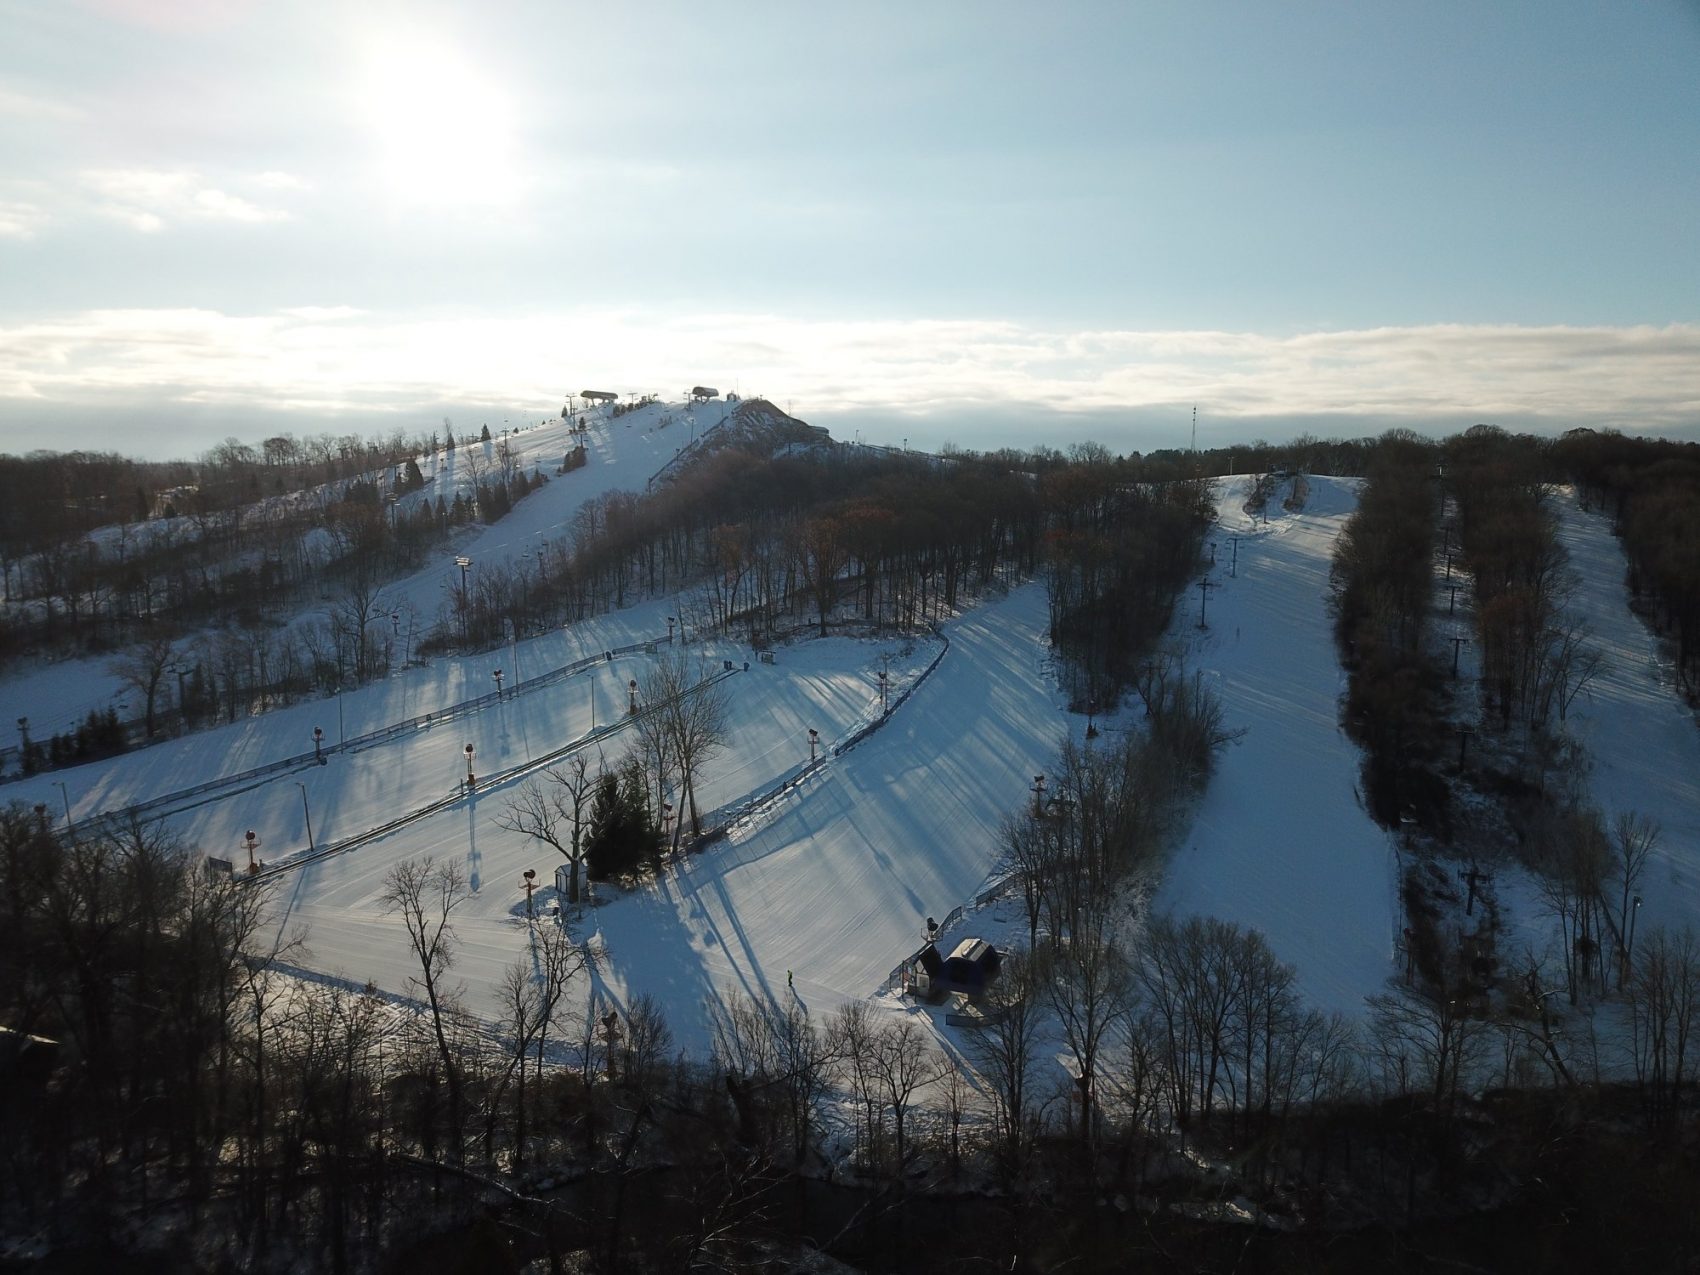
x,y
528,885
341,730
883,684
182,671
814,739
1038,794
307,814
631,687
469,750
497,674
24,733
318,745
670,623
463,562
251,839
60,785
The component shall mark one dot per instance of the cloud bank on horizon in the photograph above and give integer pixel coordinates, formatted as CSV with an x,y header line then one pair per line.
x,y
313,363
965,216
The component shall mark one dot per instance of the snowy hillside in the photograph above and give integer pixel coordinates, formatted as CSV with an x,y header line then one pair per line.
x,y
1281,841
625,453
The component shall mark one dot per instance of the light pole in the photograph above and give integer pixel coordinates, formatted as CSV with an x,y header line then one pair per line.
x,y
24,732
60,785
631,687
252,841
528,885
883,682
469,750
182,671
307,814
670,623
497,674
463,562
341,731
318,745
1038,794
814,739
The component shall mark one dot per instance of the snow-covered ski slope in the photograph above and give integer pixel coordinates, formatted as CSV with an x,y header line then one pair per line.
x,y
832,883
1641,738
1281,841
624,454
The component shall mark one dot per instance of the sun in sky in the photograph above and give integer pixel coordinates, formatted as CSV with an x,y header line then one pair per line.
x,y
442,127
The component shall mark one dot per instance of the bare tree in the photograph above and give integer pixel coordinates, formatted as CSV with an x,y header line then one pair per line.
x,y
688,727
648,1040
1634,837
1433,1040
557,815
1004,1050
1029,857
1664,999
531,990
1087,986
425,894
143,667
902,1062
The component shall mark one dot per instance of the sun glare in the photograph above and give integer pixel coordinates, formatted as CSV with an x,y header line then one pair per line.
x,y
444,131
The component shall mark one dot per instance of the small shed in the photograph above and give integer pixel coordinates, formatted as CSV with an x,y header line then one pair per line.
x,y
972,965
967,970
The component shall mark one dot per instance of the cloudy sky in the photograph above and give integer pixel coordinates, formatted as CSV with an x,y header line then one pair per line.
x,y
987,223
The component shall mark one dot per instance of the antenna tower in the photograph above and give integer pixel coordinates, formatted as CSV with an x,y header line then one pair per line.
x,y
1195,427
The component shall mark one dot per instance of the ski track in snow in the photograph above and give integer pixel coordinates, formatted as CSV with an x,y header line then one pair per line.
x,y
1641,738
1280,841
832,885
831,882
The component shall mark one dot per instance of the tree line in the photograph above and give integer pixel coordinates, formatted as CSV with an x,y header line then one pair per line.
x,y
165,1064
1651,489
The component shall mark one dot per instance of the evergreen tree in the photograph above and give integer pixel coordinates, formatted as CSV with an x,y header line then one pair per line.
x,y
485,436
624,836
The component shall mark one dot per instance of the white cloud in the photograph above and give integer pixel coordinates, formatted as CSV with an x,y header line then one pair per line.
x,y
274,180
20,220
33,108
148,200
319,359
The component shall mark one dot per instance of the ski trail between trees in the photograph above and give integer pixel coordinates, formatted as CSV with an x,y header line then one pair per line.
x,y
1280,841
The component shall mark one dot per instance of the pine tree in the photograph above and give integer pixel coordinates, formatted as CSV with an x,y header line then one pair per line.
x,y
624,837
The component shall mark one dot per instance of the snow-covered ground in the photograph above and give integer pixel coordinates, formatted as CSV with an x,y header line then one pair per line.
x,y
1641,738
625,453
831,883
1281,841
